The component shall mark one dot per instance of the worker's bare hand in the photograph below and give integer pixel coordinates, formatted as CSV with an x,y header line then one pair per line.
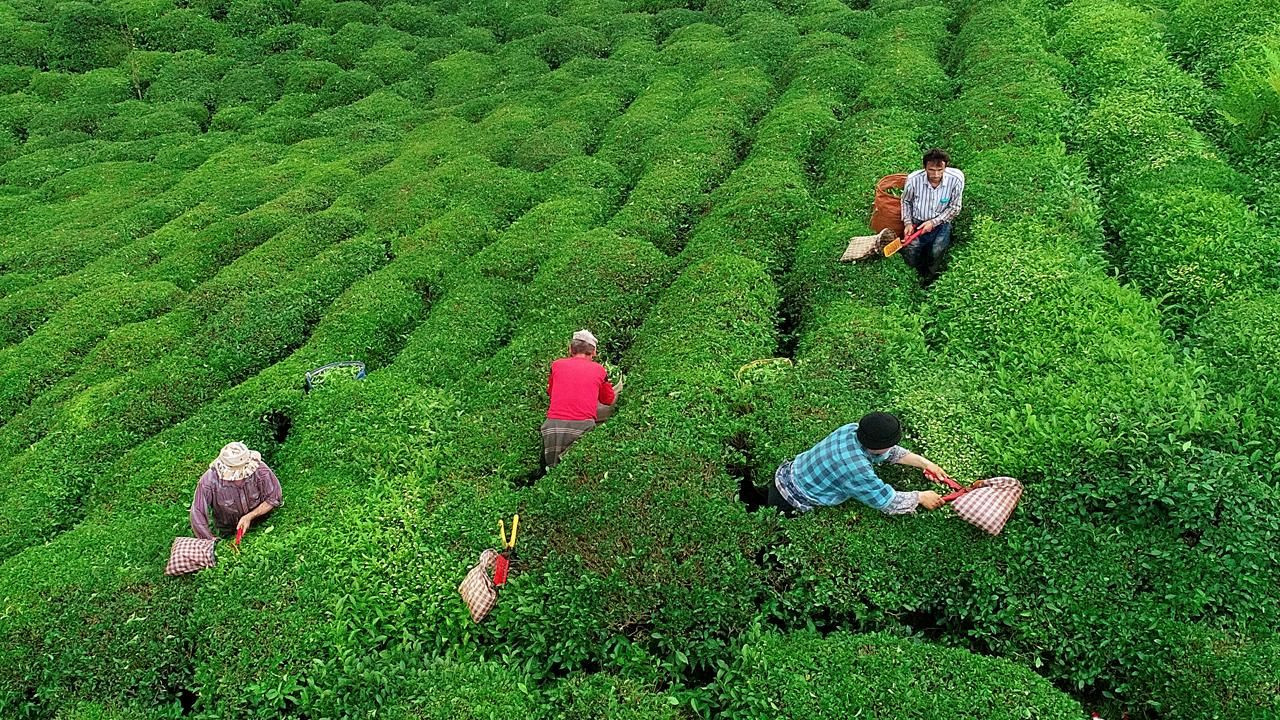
x,y
908,229
930,499
977,484
932,470
928,226
243,525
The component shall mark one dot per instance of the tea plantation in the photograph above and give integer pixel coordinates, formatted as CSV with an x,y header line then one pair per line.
x,y
201,200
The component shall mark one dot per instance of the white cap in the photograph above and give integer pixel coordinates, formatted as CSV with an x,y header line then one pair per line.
x,y
586,337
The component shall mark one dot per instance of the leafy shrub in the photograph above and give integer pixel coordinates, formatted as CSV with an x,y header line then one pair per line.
x,y
1229,337
281,38
190,75
84,36
28,42
182,29
141,121
1207,37
104,85
237,342
559,45
346,87
765,39
609,697
996,180
362,321
1248,102
52,85
389,62
509,127
1126,134
1094,329
1205,246
535,236
668,20
656,491
14,78
253,17
51,352
1233,675
755,214
777,673
247,85
1112,45
656,109
350,11
1028,113
905,45
461,76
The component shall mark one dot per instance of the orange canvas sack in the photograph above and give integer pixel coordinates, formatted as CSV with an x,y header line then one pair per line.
x,y
886,210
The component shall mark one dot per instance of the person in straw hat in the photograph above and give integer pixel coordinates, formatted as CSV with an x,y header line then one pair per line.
x,y
238,487
580,394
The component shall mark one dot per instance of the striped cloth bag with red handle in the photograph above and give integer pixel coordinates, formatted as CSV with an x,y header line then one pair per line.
x,y
986,505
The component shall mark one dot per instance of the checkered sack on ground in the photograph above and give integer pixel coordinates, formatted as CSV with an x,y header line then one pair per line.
x,y
866,246
190,554
477,588
989,506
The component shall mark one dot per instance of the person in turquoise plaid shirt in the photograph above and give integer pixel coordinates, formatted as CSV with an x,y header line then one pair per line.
x,y
842,466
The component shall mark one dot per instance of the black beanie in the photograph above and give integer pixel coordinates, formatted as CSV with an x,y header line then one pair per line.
x,y
877,431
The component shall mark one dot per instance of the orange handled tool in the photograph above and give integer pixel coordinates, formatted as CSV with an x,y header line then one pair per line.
x,y
897,245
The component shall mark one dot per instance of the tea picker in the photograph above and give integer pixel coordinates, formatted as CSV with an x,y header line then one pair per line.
x,y
237,479
479,589
930,201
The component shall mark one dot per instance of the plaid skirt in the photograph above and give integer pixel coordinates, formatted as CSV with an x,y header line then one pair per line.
x,y
558,435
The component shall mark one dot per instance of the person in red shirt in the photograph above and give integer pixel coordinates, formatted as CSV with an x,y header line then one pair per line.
x,y
580,395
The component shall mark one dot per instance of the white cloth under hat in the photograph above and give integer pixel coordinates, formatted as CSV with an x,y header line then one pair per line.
x,y
236,462
586,337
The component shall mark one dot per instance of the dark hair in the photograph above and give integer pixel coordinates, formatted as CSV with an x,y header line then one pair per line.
x,y
937,155
581,347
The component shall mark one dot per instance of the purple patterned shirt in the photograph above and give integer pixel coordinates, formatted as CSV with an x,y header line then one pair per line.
x,y
231,501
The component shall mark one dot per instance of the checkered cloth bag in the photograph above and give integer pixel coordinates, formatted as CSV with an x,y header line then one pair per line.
x,y
477,588
190,555
988,507
865,246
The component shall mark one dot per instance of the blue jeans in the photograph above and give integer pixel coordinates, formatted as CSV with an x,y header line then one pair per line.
x,y
925,252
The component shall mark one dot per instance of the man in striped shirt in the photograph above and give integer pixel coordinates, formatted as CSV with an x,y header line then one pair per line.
x,y
931,199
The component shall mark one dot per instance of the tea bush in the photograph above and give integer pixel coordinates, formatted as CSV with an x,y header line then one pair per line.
x,y
657,506
202,201
1208,37
1228,336
49,353
1248,106
886,675
182,29
1143,145
1130,488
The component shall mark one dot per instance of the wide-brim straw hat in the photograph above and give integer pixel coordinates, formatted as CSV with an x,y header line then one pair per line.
x,y
236,462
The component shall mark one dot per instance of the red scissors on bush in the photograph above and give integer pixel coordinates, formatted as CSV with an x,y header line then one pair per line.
x,y
944,479
508,549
